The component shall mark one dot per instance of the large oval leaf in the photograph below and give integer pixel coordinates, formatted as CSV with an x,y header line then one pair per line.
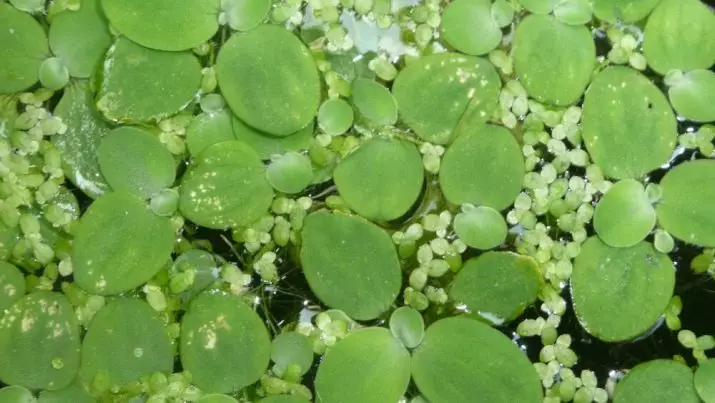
x,y
628,126
686,209
553,60
80,38
225,187
350,264
273,66
24,47
224,344
368,366
79,143
119,244
679,35
164,24
484,166
134,161
140,84
125,341
468,26
693,96
382,179
623,10
619,293
657,381
12,285
497,285
624,215
434,92
489,366
39,342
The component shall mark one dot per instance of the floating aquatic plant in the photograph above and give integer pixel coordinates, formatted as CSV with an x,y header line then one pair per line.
x,y
369,201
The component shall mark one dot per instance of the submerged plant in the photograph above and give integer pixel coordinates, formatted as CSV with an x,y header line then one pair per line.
x,y
368,201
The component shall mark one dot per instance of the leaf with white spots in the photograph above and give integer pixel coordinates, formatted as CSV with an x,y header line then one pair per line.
x,y
125,341
12,285
119,245
434,92
628,126
226,187
686,209
79,143
224,343
39,342
553,60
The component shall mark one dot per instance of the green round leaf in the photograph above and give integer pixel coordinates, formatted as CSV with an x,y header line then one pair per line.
x,y
224,343
208,129
75,393
79,144
290,173
628,126
12,285
216,398
225,187
693,97
468,26
686,209
489,365
243,15
39,342
126,340
503,12
627,11
480,227
266,145
80,38
335,116
705,380
484,166
368,366
350,264
272,65
165,202
657,381
382,179
8,239
434,92
553,60
540,6
53,74
16,394
140,84
679,35
574,12
407,326
624,215
292,348
497,285
134,161
24,47
374,102
119,244
164,24
619,293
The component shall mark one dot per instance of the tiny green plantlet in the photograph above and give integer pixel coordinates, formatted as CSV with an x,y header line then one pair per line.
x,y
357,201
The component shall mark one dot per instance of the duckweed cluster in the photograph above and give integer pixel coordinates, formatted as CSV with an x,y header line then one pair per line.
x,y
436,188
